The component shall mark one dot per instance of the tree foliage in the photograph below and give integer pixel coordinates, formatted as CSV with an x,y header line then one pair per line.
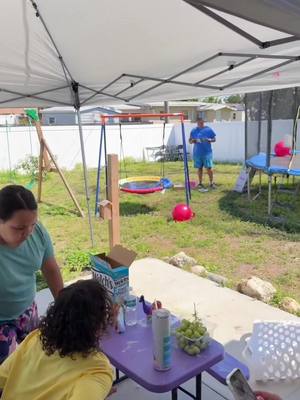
x,y
234,99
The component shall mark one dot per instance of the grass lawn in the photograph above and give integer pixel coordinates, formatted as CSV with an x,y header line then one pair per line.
x,y
228,235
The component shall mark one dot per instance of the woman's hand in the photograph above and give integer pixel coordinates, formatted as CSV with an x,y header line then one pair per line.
x,y
266,396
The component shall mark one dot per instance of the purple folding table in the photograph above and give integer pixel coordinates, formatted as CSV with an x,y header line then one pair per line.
x,y
131,353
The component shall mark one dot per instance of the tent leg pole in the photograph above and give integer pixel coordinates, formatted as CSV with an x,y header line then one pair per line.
x,y
87,195
98,188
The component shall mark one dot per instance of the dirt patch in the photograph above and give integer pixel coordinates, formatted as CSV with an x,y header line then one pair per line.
x,y
268,272
167,244
246,270
234,243
273,270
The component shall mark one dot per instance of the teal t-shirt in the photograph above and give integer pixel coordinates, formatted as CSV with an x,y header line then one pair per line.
x,y
18,269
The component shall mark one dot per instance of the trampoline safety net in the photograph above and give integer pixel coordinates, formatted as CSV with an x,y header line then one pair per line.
x,y
270,118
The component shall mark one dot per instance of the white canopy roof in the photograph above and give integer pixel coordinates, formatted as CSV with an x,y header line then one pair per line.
x,y
282,15
140,51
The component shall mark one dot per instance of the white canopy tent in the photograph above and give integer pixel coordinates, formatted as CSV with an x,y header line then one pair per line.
x,y
282,15
70,52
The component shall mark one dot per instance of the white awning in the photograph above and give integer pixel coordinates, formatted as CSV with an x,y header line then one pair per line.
x,y
282,15
139,51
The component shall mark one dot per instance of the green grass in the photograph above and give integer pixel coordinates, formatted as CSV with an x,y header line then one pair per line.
x,y
228,235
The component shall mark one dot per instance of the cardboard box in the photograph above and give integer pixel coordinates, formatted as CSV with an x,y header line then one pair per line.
x,y
112,270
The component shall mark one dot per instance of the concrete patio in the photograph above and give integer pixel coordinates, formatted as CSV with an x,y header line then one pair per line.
x,y
231,313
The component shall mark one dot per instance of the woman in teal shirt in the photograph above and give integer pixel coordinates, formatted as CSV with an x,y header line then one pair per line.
x,y
25,247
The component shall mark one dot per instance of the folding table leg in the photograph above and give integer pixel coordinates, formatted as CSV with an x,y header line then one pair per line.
x,y
118,378
199,387
174,394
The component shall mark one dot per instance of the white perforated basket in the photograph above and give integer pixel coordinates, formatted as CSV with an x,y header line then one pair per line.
x,y
273,350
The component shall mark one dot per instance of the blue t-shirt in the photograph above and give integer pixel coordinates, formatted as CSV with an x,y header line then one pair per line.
x,y
18,267
204,148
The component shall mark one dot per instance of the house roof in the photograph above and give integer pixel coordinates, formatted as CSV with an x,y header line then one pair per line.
x,y
217,107
88,109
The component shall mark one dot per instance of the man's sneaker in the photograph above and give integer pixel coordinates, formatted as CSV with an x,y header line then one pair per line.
x,y
202,188
213,186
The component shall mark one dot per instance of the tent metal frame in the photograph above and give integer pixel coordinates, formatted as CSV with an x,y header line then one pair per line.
x,y
200,5
77,101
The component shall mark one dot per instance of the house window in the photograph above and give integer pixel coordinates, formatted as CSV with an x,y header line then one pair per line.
x,y
52,120
233,115
201,114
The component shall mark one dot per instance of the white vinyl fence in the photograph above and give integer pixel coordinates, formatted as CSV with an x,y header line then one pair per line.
x,y
18,142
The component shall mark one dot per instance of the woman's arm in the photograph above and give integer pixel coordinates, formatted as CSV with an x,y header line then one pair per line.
x,y
51,272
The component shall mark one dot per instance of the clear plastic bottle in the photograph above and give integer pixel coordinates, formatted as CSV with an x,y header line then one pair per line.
x,y
130,309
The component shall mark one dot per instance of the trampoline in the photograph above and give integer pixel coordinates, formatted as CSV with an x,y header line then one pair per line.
x,y
271,117
141,184
278,165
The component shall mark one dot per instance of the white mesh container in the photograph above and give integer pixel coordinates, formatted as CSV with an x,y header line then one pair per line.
x,y
273,350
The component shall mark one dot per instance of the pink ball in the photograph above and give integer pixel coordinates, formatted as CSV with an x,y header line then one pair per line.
x,y
182,212
281,150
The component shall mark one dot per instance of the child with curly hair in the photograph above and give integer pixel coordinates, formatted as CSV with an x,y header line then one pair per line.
x,y
62,360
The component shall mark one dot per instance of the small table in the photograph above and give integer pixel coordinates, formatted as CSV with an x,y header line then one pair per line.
x,y
132,354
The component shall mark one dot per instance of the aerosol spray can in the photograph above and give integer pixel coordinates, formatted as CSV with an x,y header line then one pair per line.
x,y
161,339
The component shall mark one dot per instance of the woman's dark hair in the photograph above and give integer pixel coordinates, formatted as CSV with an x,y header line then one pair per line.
x,y
76,320
14,198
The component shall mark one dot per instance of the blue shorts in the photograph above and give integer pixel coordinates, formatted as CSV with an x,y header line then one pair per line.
x,y
205,161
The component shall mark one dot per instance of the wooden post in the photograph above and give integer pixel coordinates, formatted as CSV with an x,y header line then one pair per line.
x,y
41,168
47,161
113,197
62,177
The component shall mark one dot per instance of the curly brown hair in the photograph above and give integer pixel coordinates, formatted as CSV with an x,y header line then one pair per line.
x,y
76,320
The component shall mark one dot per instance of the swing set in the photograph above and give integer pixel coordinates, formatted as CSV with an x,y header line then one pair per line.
x,y
47,161
140,185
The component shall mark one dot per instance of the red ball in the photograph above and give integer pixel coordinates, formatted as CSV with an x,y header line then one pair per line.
x,y
182,212
281,150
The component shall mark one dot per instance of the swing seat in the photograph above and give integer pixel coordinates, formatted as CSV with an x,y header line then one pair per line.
x,y
141,184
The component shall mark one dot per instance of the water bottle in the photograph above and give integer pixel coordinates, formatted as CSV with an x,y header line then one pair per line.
x,y
130,309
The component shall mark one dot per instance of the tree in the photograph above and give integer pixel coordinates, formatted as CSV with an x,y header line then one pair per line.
x,y
212,99
234,99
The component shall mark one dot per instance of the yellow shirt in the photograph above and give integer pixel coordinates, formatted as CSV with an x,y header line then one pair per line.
x,y
29,374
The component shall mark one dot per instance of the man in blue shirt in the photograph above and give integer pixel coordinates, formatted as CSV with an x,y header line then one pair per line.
x,y
202,136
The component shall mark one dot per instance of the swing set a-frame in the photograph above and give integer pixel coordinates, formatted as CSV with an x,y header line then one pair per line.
x,y
47,161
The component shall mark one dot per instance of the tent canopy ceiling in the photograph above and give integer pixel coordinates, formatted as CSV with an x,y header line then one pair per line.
x,y
141,51
282,15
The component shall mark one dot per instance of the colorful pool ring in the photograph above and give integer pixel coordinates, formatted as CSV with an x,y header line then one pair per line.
x,y
141,184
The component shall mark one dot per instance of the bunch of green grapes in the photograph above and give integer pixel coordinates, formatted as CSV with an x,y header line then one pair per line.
x,y
192,336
